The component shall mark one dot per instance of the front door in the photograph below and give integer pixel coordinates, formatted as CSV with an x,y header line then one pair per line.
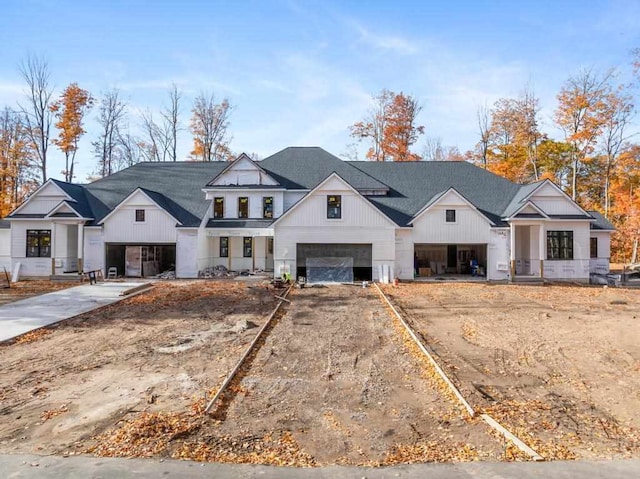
x,y
133,261
269,254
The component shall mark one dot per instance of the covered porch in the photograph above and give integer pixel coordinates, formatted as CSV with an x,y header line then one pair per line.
x,y
67,251
239,249
528,249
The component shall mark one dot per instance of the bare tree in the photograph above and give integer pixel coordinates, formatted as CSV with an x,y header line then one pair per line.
x,y
433,150
209,126
170,117
113,111
155,144
37,114
581,115
484,126
619,112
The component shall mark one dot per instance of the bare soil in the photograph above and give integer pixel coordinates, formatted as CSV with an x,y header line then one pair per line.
x,y
559,365
156,351
334,382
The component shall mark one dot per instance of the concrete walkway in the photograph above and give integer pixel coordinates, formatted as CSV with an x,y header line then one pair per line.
x,y
81,467
32,313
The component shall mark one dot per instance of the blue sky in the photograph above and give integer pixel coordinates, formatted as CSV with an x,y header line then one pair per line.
x,y
300,72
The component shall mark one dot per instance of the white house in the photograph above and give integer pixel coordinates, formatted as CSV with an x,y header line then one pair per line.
x,y
305,212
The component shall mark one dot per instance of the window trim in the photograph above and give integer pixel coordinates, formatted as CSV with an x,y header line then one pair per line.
x,y
215,202
240,198
40,235
226,249
244,246
593,241
446,216
264,207
337,208
565,253
144,216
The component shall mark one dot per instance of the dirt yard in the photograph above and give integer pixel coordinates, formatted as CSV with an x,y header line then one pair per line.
x,y
560,365
156,351
26,289
333,382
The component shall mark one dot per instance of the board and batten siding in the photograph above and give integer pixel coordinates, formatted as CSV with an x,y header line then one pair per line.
x,y
5,250
601,263
186,253
43,200
255,202
29,267
470,227
292,197
552,202
361,223
122,227
578,268
94,251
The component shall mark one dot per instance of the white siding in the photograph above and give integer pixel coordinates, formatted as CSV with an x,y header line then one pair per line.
x,y
29,267
470,227
43,200
292,197
186,253
553,202
94,251
121,226
578,269
255,202
404,254
361,223
244,172
601,264
5,250
498,255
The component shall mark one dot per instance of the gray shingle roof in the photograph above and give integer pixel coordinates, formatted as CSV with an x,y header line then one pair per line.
x,y
600,223
413,184
4,224
306,167
410,186
174,185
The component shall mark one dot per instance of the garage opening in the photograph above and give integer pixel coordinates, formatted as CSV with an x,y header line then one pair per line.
x,y
450,259
140,260
334,263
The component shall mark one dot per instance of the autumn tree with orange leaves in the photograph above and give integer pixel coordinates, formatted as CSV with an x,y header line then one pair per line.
x,y
69,111
390,127
17,165
209,126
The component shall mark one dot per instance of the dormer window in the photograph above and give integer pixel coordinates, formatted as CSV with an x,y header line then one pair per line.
x,y
218,207
243,207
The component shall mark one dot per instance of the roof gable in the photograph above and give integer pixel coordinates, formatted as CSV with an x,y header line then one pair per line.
x,y
243,171
143,198
66,209
450,197
50,190
334,182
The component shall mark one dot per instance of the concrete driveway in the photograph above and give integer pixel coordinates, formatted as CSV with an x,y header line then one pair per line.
x,y
32,313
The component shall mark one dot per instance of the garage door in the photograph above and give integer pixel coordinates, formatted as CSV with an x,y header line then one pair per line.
x,y
334,263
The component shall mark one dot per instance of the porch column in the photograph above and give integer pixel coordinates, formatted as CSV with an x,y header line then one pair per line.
x,y
80,248
53,248
253,253
541,248
512,250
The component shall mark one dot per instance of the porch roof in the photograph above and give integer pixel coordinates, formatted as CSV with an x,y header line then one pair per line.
x,y
239,223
